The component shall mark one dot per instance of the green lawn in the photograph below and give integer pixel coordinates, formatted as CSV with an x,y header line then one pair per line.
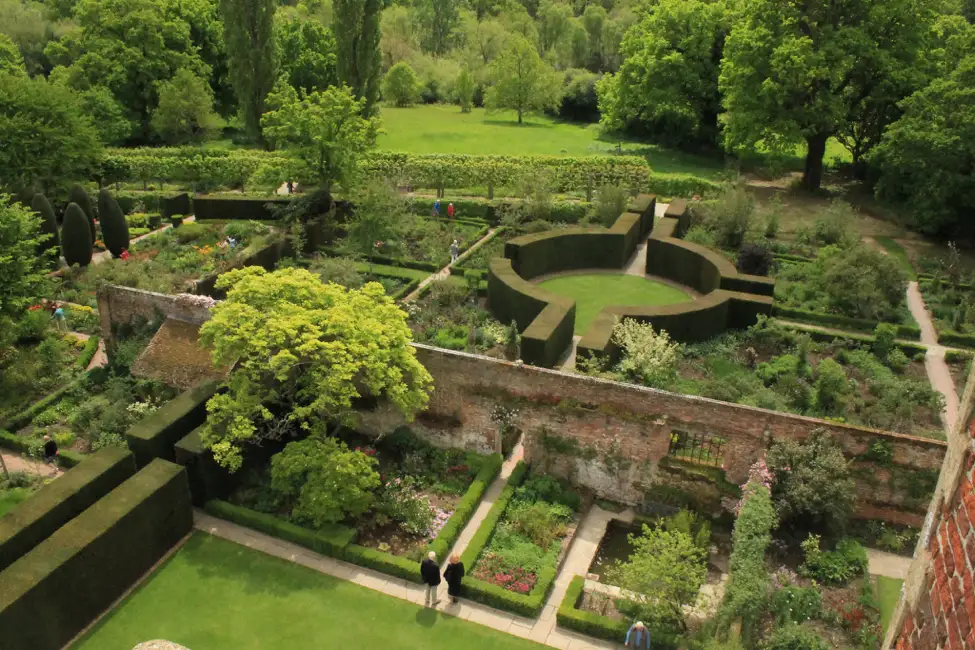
x,y
217,595
440,128
888,593
10,498
895,250
594,292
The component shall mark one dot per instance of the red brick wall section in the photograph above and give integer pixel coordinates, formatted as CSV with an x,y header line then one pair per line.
x,y
944,616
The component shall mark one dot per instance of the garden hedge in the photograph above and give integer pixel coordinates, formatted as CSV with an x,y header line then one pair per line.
x,y
21,444
88,352
512,298
845,322
668,184
818,335
79,196
529,605
947,337
76,237
18,421
403,263
465,508
115,229
957,356
176,205
49,595
330,541
602,627
689,264
208,480
229,208
154,435
490,210
60,501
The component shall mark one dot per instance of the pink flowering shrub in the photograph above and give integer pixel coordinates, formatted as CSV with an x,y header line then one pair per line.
x,y
494,569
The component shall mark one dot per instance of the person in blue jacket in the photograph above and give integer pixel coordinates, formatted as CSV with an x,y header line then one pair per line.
x,y
638,636
436,208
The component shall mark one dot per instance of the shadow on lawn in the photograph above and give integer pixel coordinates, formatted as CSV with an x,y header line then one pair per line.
x,y
426,616
514,124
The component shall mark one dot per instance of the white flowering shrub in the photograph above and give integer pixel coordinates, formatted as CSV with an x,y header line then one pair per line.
x,y
649,357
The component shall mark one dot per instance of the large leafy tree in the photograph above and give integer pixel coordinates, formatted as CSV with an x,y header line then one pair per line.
x,y
248,32
355,24
128,46
437,20
47,138
324,132
667,86
307,52
927,157
663,573
23,274
302,353
185,112
522,81
11,61
796,71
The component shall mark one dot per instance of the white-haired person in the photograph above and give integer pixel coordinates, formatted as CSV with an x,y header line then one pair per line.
x,y
430,573
638,636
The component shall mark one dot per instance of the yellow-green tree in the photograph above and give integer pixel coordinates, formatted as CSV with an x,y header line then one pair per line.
x,y
302,353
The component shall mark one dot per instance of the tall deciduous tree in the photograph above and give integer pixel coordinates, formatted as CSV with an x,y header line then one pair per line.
x,y
437,20
325,133
794,71
378,210
185,112
938,128
355,24
23,273
400,85
522,81
128,46
248,32
307,350
307,53
667,86
47,139
465,90
11,62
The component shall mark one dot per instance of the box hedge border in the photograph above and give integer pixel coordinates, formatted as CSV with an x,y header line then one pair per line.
x,y
58,502
23,418
912,332
154,435
529,605
947,337
601,627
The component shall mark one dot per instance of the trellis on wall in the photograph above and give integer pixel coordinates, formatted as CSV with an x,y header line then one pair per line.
x,y
699,448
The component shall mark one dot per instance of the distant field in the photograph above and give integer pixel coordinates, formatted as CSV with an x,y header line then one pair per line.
x,y
444,129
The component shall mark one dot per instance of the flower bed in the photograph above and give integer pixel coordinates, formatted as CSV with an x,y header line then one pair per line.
x,y
449,313
422,241
169,261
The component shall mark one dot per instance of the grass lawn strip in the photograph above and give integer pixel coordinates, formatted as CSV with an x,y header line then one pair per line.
x,y
218,595
888,593
594,292
895,250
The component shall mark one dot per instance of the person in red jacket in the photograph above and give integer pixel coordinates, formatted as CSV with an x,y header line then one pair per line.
x,y
450,210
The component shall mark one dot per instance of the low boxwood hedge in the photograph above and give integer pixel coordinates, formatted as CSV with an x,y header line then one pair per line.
x,y
465,509
388,261
74,575
22,419
816,335
957,356
846,322
58,502
87,353
329,541
601,627
947,337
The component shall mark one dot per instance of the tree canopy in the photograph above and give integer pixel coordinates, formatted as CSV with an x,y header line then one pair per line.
x,y
185,111
307,54
248,31
522,81
325,133
23,273
356,28
303,352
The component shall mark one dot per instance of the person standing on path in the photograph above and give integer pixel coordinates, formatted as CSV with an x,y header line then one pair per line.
x,y
638,636
59,317
436,208
454,251
51,453
450,210
430,573
454,574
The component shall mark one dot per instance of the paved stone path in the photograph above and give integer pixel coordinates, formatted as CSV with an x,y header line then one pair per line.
x,y
19,463
934,360
543,629
444,273
887,564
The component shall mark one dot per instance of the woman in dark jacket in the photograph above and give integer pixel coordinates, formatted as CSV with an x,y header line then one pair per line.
x,y
454,575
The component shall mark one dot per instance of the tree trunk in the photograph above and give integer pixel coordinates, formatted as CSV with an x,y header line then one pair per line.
x,y
519,116
812,177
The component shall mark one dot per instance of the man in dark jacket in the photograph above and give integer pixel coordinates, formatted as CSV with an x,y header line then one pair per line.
x,y
430,573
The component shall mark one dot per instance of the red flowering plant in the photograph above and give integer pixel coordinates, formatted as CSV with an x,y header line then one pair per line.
x,y
495,569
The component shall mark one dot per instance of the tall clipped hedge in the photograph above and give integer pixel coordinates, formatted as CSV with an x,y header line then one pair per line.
x,y
115,230
49,225
76,239
78,194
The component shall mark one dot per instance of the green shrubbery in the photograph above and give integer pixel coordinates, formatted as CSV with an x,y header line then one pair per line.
x,y
49,227
115,229
837,567
76,236
79,196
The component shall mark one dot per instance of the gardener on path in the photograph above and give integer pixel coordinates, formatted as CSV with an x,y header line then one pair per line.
x,y
430,573
450,210
51,453
454,251
638,636
436,208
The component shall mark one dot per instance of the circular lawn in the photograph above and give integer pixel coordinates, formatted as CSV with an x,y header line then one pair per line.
x,y
592,292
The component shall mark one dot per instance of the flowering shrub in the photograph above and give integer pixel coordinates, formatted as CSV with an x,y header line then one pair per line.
x,y
495,569
648,356
440,519
400,500
193,300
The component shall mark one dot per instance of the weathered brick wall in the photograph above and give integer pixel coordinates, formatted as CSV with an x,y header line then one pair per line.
x,y
621,432
122,305
937,609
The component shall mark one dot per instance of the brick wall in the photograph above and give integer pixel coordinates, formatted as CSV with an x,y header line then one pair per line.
x,y
122,305
937,609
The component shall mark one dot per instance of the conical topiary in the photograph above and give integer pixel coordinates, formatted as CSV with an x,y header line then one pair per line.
x,y
115,230
78,194
76,236
49,226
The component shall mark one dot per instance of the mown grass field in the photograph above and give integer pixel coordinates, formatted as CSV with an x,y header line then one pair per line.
x,y
218,595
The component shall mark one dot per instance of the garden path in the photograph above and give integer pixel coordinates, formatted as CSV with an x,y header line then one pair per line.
x,y
887,564
934,360
98,258
18,463
444,273
101,358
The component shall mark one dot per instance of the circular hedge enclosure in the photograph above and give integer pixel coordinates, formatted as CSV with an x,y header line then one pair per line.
x,y
546,320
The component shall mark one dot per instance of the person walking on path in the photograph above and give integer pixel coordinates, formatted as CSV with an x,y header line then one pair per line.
x,y
59,317
51,453
454,575
436,208
430,573
638,636
450,210
454,251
